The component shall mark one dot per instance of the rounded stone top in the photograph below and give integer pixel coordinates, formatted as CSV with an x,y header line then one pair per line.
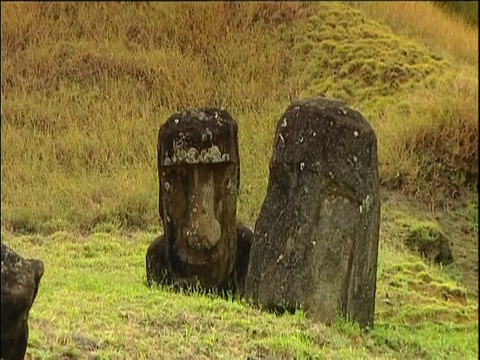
x,y
318,123
20,278
326,137
319,112
198,136
320,102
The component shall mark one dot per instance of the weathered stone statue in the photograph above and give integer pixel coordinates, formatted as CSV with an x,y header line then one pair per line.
x,y
199,177
20,282
316,238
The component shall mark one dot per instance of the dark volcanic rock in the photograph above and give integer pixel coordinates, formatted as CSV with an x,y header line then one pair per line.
x,y
20,282
316,238
199,177
244,244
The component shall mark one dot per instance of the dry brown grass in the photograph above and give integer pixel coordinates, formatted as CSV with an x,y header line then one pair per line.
x,y
432,150
179,54
85,88
429,24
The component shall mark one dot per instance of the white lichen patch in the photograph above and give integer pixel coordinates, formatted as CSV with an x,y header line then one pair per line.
x,y
166,185
212,155
367,202
200,115
207,135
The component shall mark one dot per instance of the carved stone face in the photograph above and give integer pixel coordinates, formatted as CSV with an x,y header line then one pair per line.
x,y
199,179
200,201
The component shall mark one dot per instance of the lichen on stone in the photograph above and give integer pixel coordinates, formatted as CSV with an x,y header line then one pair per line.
x,y
211,155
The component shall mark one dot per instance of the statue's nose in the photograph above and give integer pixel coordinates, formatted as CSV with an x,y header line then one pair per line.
x,y
203,229
204,232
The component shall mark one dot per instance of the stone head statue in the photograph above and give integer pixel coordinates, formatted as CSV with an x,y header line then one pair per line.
x,y
199,176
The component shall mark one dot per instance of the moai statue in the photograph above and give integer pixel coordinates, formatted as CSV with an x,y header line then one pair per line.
x,y
199,177
20,283
316,239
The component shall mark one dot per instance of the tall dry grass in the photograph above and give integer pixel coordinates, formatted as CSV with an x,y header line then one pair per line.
x,y
432,132
432,147
85,88
466,10
446,34
177,54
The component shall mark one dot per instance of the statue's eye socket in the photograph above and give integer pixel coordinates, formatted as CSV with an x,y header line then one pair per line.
x,y
178,172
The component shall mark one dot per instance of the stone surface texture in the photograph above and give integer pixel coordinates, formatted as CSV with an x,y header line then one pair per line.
x,y
316,239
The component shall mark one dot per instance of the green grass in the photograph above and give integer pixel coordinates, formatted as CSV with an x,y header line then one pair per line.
x,y
93,301
359,63
401,218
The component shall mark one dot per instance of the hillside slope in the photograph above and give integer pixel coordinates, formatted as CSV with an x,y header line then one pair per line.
x,y
85,88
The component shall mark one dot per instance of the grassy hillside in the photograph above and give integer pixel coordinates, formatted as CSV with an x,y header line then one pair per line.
x,y
85,88
429,25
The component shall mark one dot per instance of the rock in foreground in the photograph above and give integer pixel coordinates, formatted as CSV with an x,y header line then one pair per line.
x,y
20,282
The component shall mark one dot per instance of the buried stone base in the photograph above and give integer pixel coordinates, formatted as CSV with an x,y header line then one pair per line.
x,y
161,271
20,283
316,239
